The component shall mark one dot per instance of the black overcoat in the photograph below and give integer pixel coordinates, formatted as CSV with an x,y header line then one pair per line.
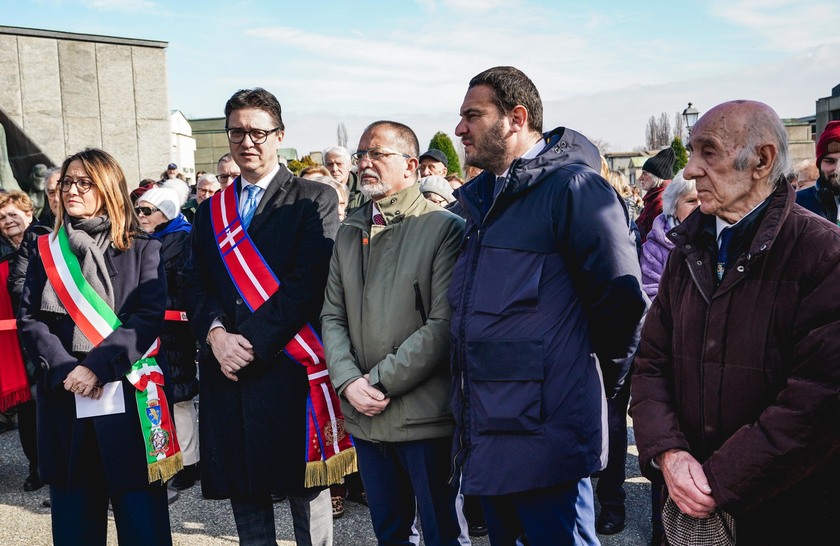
x,y
252,431
70,449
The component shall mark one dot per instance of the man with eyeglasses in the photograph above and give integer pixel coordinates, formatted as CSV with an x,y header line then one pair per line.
x,y
386,339
206,187
252,292
226,171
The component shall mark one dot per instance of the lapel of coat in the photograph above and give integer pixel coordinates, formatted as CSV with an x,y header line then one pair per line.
x,y
271,200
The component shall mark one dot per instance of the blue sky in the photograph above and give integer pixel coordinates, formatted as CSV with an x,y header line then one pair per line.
x,y
602,67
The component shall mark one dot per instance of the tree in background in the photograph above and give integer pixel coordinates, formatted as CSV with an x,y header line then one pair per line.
x,y
296,166
341,134
602,145
442,142
682,154
658,132
679,125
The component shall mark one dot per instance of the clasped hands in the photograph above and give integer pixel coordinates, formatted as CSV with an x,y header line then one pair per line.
x,y
82,381
367,399
232,351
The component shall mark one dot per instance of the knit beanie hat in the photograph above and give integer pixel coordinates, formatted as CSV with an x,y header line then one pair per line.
x,y
829,141
164,199
438,185
662,164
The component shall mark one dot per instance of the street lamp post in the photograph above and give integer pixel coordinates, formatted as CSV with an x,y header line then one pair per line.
x,y
690,115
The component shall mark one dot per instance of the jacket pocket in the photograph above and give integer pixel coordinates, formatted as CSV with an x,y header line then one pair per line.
x,y
505,382
508,281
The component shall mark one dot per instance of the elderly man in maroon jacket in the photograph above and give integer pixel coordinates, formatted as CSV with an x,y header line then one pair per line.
x,y
736,394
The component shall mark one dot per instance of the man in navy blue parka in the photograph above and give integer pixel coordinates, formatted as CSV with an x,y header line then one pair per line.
x,y
546,288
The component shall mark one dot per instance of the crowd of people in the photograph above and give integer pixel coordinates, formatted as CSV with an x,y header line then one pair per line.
x,y
458,353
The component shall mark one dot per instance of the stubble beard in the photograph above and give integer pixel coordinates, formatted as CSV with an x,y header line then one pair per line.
x,y
830,182
489,152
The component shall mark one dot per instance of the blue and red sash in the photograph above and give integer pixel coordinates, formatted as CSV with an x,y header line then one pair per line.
x,y
330,454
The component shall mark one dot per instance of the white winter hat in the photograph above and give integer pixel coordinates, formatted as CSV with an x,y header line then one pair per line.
x,y
165,199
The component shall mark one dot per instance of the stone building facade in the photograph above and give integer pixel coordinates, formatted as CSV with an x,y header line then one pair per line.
x,y
61,92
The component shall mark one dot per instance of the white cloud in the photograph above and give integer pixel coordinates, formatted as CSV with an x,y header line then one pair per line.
x,y
784,25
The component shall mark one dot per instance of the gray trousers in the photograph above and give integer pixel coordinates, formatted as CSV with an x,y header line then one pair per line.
x,y
311,515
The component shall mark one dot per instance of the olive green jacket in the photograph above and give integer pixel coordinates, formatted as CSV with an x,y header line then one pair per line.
x,y
386,314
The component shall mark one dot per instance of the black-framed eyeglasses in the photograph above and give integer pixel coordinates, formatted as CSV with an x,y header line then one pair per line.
x,y
83,185
257,136
374,155
145,211
223,178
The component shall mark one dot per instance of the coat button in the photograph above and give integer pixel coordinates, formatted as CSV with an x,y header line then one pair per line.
x,y
740,269
688,247
397,213
699,262
393,200
238,301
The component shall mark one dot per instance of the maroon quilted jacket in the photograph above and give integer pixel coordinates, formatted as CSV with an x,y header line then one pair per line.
x,y
746,375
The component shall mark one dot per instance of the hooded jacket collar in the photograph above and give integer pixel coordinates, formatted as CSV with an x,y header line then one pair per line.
x,y
563,147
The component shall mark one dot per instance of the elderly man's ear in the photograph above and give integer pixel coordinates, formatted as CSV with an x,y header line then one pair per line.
x,y
767,155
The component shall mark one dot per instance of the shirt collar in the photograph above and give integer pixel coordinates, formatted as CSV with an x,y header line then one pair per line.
x,y
263,182
533,152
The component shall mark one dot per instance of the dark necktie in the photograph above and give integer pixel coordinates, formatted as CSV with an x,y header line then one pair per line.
x,y
723,251
378,219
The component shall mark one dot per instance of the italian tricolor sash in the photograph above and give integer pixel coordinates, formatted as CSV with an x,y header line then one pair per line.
x,y
97,321
330,454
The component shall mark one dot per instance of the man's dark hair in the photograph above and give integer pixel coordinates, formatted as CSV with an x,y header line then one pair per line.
x,y
406,139
255,98
511,87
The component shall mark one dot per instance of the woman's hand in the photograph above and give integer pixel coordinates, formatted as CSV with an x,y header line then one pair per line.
x,y
83,382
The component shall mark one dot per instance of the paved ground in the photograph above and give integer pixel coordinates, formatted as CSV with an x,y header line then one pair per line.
x,y
199,522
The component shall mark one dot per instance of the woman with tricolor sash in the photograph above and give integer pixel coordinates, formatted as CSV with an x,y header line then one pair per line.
x,y
91,310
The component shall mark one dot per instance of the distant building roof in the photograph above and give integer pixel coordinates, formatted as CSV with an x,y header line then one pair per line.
x,y
76,37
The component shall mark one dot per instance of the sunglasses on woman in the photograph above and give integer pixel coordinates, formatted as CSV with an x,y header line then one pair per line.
x,y
145,211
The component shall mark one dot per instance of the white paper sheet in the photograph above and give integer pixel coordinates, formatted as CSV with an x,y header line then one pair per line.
x,y
110,403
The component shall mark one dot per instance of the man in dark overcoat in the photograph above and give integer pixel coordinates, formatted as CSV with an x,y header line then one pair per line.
x,y
254,396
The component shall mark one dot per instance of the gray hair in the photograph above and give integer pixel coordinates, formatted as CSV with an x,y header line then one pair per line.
x,y
765,125
51,171
340,150
330,181
210,177
674,191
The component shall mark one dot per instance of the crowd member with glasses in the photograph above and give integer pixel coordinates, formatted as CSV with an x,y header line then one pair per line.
x,y
226,171
159,216
386,339
206,187
91,309
254,393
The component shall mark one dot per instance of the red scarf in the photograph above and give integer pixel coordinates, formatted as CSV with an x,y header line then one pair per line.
x,y
14,386
330,454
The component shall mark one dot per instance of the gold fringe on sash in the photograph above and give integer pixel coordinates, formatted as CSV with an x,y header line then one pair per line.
x,y
333,470
166,468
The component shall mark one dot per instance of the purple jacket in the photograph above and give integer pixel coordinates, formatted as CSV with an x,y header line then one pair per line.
x,y
655,252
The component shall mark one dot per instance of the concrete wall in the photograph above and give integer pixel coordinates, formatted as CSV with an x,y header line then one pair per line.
x,y
62,92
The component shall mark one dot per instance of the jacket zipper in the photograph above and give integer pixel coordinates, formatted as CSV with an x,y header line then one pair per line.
x,y
462,346
418,302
